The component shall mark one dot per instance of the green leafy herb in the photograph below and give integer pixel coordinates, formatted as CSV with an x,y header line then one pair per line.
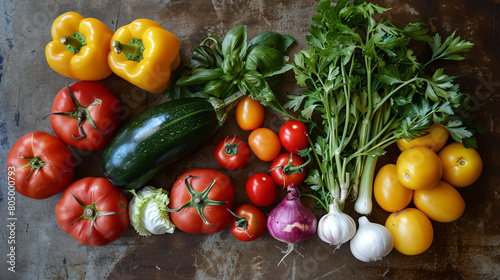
x,y
368,89
220,69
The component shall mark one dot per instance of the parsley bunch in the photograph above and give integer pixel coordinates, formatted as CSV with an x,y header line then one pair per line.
x,y
368,89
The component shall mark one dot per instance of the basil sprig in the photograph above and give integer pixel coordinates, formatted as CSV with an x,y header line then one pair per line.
x,y
220,69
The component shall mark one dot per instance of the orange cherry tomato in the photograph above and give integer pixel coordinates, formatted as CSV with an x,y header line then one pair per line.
x,y
461,166
443,203
264,143
419,168
249,113
388,191
435,139
412,231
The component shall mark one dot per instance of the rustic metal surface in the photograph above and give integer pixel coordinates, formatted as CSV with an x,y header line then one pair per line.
x,y
466,249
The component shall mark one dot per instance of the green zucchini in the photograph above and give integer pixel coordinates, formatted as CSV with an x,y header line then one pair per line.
x,y
159,137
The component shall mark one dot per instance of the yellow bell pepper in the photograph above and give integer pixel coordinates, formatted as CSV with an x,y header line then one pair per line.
x,y
80,47
144,54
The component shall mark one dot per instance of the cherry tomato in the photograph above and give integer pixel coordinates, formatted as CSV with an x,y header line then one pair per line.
x,y
419,168
261,189
232,153
85,115
200,200
264,143
293,136
434,138
249,223
286,170
40,165
249,113
93,211
412,231
461,166
443,203
388,191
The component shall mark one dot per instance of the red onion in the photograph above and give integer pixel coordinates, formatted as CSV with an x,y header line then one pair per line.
x,y
291,222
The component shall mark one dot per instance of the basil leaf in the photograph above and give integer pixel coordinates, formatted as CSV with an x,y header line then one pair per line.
x,y
218,45
258,87
203,57
235,42
232,67
265,59
273,40
280,71
200,76
219,88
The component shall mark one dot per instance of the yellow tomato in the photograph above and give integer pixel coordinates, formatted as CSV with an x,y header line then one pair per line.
x,y
412,231
388,191
461,166
435,139
443,203
419,168
249,113
264,143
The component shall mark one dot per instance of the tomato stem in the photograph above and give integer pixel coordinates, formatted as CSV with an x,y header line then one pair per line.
x,y
81,114
241,222
91,212
231,149
199,200
35,164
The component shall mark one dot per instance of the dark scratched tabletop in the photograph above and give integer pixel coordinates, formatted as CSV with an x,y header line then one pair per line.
x,y
466,249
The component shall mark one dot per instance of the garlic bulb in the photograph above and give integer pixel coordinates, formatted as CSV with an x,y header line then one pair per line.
x,y
336,228
372,242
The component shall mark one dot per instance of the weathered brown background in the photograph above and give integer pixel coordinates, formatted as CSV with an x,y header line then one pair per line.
x,y
465,249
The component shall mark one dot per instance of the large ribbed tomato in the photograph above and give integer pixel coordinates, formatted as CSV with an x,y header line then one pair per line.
x,y
85,115
40,165
200,200
93,211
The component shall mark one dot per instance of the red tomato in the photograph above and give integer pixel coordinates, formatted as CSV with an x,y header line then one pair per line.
x,y
86,116
293,136
40,165
200,200
264,143
232,153
249,113
249,223
286,170
93,211
261,189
